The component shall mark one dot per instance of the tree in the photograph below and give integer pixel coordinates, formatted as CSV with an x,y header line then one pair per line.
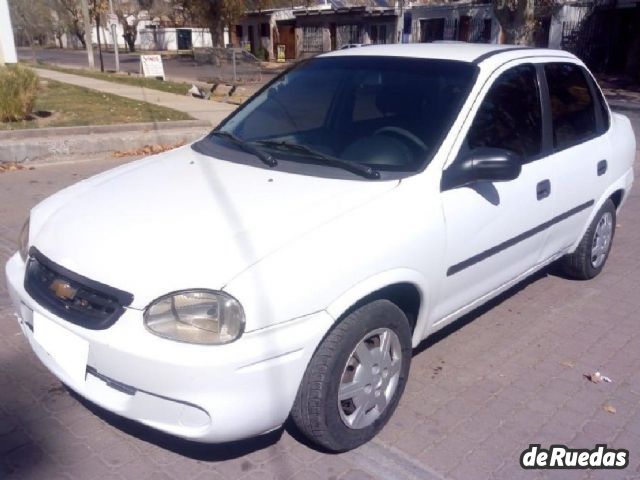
x,y
129,14
216,14
32,18
517,20
70,15
174,13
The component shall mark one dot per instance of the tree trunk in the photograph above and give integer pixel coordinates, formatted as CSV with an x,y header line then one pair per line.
x,y
78,31
516,18
80,37
130,36
99,44
215,24
216,29
131,42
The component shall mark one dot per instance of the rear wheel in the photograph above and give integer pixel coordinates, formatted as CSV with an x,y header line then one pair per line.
x,y
589,258
356,378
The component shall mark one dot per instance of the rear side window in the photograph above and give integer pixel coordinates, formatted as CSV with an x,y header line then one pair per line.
x,y
601,105
510,115
572,107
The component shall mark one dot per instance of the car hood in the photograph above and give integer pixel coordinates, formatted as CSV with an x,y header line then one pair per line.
x,y
184,220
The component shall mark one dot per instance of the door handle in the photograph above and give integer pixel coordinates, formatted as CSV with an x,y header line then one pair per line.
x,y
602,167
543,189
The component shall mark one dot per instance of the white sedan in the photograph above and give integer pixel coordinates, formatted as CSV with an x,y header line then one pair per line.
x,y
287,263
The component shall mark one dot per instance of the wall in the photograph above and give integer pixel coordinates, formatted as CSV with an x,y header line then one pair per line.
x,y
166,39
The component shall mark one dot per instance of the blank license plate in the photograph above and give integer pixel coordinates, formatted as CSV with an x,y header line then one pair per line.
x,y
66,348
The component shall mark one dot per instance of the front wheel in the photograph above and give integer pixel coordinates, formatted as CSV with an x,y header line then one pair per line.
x,y
355,379
589,258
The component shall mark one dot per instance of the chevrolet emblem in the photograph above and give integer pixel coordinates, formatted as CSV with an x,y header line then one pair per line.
x,y
62,289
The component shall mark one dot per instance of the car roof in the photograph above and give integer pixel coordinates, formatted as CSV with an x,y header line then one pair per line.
x,y
461,51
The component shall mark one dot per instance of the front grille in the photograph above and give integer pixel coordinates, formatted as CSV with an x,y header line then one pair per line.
x,y
73,297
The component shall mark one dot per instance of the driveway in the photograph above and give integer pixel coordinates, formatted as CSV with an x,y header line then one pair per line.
x,y
479,393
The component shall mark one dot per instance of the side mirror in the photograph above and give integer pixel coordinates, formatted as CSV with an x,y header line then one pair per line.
x,y
482,165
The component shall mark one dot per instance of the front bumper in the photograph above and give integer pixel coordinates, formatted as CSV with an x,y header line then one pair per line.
x,y
203,393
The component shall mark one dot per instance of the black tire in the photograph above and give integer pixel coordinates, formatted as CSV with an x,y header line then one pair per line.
x,y
316,411
579,264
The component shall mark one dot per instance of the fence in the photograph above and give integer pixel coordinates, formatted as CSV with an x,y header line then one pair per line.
x,y
588,39
230,65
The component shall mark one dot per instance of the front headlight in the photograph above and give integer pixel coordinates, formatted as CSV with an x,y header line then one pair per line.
x,y
196,316
23,241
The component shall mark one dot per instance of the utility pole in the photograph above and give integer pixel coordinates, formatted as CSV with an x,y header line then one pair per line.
x,y
87,32
114,35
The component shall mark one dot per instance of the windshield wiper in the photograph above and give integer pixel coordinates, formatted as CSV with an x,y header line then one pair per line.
x,y
247,147
356,168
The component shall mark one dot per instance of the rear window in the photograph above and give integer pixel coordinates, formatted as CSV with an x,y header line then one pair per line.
x,y
572,106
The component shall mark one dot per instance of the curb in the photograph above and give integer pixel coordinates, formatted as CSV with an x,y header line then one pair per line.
x,y
100,129
62,143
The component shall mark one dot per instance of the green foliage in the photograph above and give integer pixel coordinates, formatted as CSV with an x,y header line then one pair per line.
x,y
262,54
18,91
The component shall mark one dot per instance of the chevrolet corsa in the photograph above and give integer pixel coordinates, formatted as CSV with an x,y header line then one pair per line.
x,y
286,264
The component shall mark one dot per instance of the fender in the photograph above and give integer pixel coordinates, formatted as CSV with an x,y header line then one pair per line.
x,y
370,285
623,183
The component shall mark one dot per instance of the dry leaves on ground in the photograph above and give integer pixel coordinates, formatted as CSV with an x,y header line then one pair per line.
x,y
13,166
146,150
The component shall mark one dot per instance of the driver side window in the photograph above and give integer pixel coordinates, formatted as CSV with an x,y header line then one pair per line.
x,y
510,115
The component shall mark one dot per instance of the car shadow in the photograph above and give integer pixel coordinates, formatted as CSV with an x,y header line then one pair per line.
x,y
484,308
195,450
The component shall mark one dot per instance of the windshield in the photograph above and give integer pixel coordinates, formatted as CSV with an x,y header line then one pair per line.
x,y
386,113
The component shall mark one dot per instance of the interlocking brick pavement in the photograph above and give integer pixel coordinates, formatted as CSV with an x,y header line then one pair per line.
x,y
479,393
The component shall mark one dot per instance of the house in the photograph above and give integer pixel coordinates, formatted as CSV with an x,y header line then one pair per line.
x,y
322,29
305,32
260,31
467,22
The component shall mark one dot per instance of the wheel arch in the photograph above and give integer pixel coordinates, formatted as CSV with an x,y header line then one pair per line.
x,y
617,193
617,197
405,288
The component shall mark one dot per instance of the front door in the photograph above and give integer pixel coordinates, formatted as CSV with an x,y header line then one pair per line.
x,y
287,37
492,228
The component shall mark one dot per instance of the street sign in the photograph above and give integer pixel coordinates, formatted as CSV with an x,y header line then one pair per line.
x,y
151,66
112,19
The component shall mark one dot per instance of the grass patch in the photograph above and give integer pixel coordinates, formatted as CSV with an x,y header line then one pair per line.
x,y
161,85
18,90
63,105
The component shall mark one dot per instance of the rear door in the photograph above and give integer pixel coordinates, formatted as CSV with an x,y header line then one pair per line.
x,y
579,164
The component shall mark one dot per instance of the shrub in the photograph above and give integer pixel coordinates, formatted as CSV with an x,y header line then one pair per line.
x,y
18,90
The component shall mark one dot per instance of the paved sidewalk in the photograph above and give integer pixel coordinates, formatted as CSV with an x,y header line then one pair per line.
x,y
479,393
211,111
